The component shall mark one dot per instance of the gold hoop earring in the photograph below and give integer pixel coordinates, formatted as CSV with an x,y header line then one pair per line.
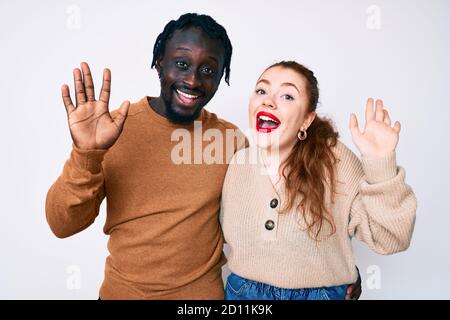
x,y
302,135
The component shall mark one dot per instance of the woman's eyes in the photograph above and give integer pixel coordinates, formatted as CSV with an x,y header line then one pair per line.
x,y
288,97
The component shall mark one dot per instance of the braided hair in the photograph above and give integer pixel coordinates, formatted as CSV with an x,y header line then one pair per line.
x,y
207,24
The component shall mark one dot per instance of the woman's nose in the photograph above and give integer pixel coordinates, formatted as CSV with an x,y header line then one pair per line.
x,y
269,102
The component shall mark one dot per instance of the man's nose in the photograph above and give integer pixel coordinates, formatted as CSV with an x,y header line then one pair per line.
x,y
191,79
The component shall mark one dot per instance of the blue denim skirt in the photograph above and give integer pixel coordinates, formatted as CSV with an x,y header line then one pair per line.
x,y
238,288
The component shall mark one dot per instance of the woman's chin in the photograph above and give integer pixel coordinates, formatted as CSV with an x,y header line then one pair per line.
x,y
262,145
265,142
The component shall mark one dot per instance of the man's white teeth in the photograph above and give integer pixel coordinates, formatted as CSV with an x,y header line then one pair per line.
x,y
189,96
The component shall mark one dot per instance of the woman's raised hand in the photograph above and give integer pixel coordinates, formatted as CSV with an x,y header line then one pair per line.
x,y
379,138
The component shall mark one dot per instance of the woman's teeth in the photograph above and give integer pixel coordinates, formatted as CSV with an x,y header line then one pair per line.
x,y
266,118
267,122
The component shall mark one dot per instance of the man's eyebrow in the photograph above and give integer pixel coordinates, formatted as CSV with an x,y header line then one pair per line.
x,y
187,49
214,58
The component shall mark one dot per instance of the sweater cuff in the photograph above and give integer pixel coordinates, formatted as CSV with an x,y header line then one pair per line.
x,y
90,160
380,169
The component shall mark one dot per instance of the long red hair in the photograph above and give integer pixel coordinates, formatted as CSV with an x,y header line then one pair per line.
x,y
310,168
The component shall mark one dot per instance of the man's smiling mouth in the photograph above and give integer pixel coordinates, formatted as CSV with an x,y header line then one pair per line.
x,y
186,99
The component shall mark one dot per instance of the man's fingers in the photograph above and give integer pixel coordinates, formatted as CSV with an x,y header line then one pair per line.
x,y
88,83
370,114
106,86
356,294
122,115
353,293
350,293
349,290
79,87
66,99
379,114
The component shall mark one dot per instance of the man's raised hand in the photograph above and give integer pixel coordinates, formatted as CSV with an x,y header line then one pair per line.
x,y
90,123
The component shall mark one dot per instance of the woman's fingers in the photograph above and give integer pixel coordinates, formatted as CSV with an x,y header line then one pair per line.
x,y
397,126
387,119
379,114
106,86
66,99
79,87
88,83
354,127
370,114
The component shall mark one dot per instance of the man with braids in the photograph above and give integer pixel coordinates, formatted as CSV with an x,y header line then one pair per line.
x,y
165,240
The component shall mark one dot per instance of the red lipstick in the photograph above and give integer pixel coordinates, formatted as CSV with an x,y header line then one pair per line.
x,y
266,122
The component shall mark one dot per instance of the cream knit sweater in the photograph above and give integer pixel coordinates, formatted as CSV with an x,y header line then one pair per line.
x,y
373,204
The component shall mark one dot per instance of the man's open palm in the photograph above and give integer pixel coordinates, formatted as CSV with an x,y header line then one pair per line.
x,y
90,123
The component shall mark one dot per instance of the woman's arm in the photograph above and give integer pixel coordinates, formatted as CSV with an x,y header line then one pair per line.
x,y
383,210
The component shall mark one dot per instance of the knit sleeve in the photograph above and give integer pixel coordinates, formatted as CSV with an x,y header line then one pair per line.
x,y
73,201
383,210
221,219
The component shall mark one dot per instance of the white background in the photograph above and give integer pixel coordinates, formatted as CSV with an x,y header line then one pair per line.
x,y
397,50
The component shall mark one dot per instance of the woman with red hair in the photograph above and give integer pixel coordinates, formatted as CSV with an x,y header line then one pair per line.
x,y
289,217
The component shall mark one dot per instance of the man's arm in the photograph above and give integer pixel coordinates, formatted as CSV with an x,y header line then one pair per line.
x,y
73,201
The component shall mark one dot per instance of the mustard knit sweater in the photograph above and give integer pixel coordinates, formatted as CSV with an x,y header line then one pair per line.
x,y
165,240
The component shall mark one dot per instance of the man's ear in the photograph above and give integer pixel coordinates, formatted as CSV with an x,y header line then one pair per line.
x,y
158,64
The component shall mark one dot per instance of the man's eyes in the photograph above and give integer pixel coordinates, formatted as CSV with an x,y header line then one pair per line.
x,y
181,64
205,69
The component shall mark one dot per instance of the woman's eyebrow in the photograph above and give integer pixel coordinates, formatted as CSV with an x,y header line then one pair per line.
x,y
290,85
263,80
284,84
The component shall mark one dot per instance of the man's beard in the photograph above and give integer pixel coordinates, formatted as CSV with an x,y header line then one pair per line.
x,y
176,117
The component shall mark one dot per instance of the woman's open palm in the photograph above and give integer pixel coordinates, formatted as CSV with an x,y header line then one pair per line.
x,y
379,138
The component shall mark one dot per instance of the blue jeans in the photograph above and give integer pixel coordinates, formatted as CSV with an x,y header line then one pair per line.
x,y
238,288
